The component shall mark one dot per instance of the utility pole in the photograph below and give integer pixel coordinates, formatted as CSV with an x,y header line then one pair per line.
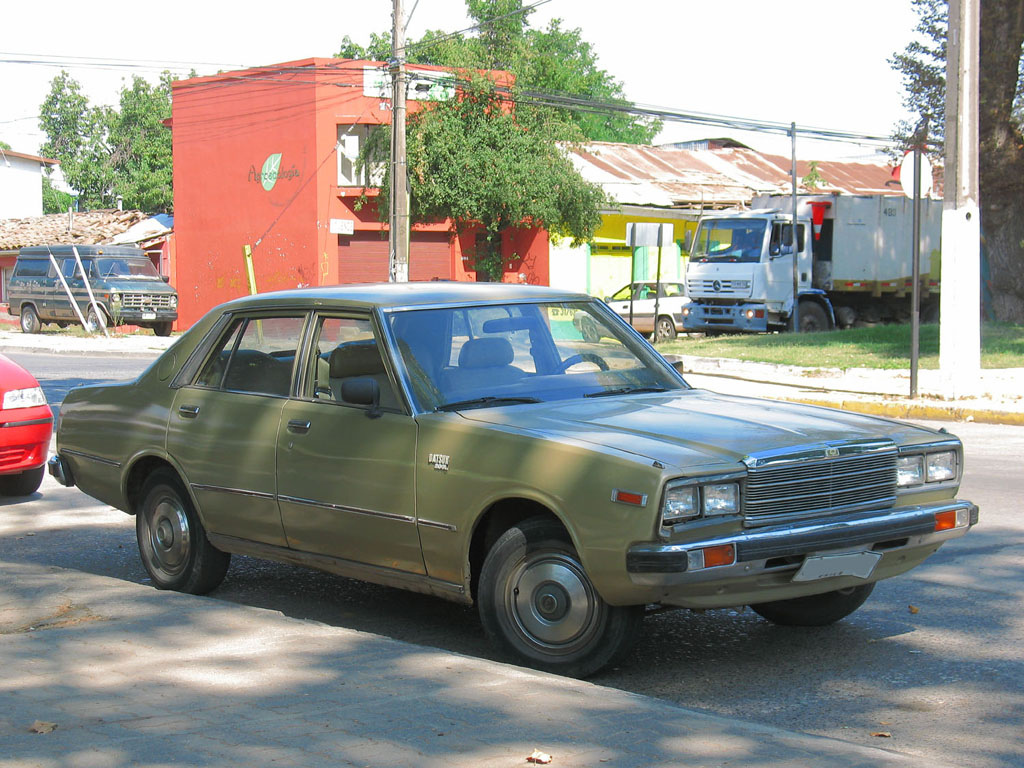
x,y
795,316
960,299
398,237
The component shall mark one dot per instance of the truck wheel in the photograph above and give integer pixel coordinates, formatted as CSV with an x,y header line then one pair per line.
x,y
665,328
163,329
537,603
172,542
29,319
812,317
22,484
93,321
815,610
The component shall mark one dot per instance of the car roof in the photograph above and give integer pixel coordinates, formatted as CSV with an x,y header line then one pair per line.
x,y
414,294
85,251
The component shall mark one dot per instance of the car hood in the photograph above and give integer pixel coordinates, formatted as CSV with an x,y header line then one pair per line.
x,y
694,427
137,284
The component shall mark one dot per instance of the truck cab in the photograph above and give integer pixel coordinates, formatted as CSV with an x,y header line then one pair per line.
x,y
740,275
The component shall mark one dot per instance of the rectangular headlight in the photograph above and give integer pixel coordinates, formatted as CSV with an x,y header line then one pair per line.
x,y
909,470
721,499
24,398
940,466
681,503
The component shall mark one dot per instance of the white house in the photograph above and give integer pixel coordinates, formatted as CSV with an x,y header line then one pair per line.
x,y
21,184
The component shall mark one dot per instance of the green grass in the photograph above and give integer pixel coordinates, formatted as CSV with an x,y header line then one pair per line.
x,y
884,346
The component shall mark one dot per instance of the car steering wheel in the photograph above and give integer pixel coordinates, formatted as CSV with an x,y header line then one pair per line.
x,y
583,357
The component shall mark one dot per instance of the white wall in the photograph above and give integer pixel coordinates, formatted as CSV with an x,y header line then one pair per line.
x,y
21,187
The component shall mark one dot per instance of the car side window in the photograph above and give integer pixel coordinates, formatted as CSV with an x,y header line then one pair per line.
x,y
256,355
346,348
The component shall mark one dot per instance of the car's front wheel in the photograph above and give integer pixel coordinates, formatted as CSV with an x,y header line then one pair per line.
x,y
94,321
537,603
172,541
22,484
815,610
665,329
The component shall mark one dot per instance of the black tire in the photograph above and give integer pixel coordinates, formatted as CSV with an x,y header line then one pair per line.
x,y
95,322
815,610
163,329
172,541
22,484
664,329
537,603
812,317
29,319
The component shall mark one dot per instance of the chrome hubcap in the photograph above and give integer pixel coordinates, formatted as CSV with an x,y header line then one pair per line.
x,y
169,537
553,603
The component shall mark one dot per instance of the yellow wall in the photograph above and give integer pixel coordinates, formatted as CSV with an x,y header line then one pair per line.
x,y
602,267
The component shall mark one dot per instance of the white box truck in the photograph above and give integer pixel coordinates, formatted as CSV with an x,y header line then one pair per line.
x,y
854,257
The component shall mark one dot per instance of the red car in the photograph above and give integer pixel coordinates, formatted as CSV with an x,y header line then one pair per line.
x,y
26,424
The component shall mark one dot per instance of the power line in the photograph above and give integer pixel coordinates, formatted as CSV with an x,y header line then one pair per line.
x,y
475,28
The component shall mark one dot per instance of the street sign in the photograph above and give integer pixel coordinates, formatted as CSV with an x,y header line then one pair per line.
x,y
907,175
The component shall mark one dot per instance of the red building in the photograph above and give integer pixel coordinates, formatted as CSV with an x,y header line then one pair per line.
x,y
265,158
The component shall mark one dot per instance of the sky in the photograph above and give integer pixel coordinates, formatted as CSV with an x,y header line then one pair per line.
x,y
820,63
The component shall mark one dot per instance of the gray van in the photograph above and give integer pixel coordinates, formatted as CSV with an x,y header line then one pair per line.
x,y
125,284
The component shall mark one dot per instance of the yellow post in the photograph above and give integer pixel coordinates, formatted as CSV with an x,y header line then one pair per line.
x,y
247,250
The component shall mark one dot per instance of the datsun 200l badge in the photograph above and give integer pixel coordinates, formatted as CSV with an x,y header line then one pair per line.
x,y
438,461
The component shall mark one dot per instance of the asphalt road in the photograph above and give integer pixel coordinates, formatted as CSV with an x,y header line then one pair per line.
x,y
933,659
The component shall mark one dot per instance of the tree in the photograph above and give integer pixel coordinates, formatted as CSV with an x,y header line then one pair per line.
x,y
1001,143
489,170
106,153
550,61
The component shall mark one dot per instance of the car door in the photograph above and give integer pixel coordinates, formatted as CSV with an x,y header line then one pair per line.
x,y
222,429
346,472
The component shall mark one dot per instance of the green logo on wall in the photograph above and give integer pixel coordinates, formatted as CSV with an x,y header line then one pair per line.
x,y
271,172
271,167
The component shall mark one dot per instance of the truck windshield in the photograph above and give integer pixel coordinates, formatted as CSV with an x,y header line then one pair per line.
x,y
126,267
733,240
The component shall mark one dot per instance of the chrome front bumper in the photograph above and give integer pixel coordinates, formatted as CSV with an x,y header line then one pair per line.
x,y
783,547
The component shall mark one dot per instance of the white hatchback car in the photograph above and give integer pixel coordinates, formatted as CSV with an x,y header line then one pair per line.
x,y
670,300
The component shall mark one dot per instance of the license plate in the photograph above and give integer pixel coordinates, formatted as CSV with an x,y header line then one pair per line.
x,y
859,564
149,315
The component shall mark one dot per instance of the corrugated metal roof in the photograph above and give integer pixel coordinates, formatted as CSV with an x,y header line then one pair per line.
x,y
87,228
671,177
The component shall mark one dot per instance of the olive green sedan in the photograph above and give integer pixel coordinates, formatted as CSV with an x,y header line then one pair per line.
x,y
472,442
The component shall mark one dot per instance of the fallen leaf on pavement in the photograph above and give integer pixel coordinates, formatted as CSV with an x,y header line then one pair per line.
x,y
882,734
39,726
913,609
541,758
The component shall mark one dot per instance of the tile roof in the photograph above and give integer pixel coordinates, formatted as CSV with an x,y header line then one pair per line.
x,y
87,228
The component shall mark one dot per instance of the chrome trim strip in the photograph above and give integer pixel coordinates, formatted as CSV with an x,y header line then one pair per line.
x,y
434,524
353,510
753,548
29,423
236,491
98,459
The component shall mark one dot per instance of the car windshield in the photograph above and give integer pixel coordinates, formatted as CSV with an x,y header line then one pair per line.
x,y
731,240
508,354
126,267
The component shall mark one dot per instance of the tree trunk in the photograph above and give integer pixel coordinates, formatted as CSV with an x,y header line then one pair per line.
x,y
1001,164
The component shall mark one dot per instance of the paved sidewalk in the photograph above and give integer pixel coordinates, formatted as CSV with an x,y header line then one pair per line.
x,y
125,675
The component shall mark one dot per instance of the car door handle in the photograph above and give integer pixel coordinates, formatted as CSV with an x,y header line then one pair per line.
x,y
298,427
188,411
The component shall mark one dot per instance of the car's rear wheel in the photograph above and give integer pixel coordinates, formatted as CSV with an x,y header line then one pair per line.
x,y
22,484
172,541
29,319
537,602
815,610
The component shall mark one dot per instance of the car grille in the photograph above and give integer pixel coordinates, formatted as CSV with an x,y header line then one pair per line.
x,y
148,301
811,484
725,288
